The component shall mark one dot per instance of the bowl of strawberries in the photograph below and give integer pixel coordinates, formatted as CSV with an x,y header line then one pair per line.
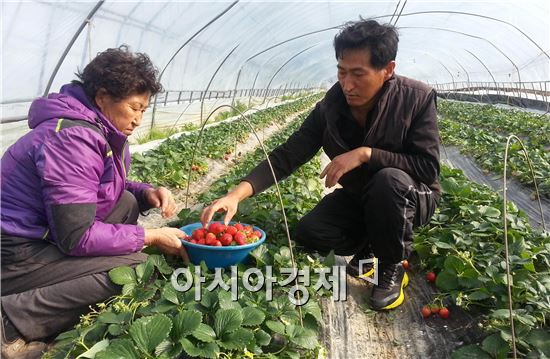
x,y
219,245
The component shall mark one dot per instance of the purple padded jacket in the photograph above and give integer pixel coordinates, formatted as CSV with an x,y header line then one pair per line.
x,y
62,179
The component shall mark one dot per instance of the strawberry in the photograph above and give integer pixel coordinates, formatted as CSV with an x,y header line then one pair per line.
x,y
444,313
257,234
239,226
240,238
405,264
430,276
216,228
426,312
226,239
200,233
231,230
217,243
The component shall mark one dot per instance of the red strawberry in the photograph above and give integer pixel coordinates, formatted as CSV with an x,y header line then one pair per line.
x,y
231,230
226,239
217,243
201,241
444,313
239,226
426,312
257,234
431,277
240,238
210,238
248,230
199,233
216,228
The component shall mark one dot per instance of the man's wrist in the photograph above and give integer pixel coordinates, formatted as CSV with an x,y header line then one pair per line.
x,y
366,154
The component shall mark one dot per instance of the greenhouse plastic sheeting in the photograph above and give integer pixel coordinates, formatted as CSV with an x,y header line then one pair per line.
x,y
441,41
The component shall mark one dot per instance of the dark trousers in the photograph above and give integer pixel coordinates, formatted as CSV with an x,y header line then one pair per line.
x,y
44,291
380,220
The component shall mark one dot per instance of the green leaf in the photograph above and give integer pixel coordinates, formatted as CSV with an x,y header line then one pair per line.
x,y
447,281
252,316
209,299
329,260
454,264
305,338
148,332
206,350
115,329
123,275
110,317
186,322
160,263
144,271
169,293
205,333
443,245
312,308
470,352
226,302
540,339
262,338
119,349
237,339
496,346
277,327
478,295
91,353
227,320
489,211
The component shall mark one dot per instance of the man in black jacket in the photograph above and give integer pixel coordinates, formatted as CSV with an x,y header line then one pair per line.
x,y
380,132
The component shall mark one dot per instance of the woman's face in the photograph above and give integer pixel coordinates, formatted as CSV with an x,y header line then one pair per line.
x,y
125,114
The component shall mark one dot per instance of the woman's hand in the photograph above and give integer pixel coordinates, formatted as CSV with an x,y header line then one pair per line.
x,y
168,240
161,198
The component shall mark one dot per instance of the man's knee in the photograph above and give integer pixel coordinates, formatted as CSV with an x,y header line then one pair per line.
x,y
389,180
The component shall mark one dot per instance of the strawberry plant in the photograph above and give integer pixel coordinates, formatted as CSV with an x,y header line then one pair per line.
x,y
481,131
464,244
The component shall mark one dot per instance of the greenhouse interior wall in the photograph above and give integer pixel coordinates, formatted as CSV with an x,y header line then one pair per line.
x,y
238,79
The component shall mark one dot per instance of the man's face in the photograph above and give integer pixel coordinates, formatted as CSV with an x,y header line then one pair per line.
x,y
359,80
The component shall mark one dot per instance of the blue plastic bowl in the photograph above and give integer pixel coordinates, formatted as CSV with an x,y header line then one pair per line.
x,y
224,256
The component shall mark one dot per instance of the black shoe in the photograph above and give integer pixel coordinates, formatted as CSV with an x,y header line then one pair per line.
x,y
352,267
388,294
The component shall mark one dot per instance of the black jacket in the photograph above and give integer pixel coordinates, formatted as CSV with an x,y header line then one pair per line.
x,y
402,132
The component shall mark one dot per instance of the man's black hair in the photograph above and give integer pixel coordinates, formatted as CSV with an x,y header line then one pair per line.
x,y
379,39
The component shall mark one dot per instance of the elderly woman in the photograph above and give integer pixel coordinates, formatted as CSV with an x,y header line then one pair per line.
x,y
69,212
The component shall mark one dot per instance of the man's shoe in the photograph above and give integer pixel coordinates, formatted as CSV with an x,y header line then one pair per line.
x,y
18,349
352,267
388,294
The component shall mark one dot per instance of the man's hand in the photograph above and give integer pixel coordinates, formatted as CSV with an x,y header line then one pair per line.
x,y
344,163
168,240
161,198
227,204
